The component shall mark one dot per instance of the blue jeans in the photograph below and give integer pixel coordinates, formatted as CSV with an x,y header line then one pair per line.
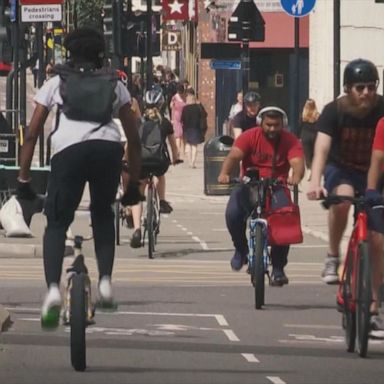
x,y
239,208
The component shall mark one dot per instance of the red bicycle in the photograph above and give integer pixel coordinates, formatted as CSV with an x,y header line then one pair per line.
x,y
354,296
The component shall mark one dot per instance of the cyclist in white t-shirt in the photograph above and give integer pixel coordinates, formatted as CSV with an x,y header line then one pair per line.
x,y
83,151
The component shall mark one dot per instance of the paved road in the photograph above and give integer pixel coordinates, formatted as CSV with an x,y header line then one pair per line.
x,y
186,317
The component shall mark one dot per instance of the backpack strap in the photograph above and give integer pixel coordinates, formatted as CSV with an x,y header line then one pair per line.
x,y
49,140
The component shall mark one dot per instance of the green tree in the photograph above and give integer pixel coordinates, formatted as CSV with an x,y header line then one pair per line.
x,y
89,13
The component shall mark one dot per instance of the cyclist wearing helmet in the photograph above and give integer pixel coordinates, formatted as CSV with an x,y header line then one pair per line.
x,y
346,128
154,101
246,118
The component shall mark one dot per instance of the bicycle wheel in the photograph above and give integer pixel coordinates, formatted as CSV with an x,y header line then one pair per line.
x,y
150,221
364,299
117,222
78,316
258,273
349,313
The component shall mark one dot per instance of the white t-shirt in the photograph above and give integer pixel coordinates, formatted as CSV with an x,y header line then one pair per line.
x,y
71,132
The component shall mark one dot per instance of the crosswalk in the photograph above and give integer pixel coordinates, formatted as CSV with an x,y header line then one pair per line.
x,y
186,272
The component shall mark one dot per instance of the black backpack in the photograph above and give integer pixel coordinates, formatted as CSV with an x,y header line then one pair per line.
x,y
154,151
88,95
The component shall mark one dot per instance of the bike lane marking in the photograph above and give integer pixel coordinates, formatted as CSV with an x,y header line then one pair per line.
x,y
250,357
275,380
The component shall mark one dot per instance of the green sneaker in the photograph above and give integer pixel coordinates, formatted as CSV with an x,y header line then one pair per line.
x,y
50,310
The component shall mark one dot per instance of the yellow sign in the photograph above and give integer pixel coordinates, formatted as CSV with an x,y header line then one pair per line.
x,y
171,40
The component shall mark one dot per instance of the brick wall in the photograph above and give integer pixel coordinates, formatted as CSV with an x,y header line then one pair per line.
x,y
206,76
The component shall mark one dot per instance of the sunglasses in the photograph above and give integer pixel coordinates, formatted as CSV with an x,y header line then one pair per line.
x,y
360,87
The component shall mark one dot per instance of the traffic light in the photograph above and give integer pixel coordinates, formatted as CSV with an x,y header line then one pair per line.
x,y
6,54
135,35
113,26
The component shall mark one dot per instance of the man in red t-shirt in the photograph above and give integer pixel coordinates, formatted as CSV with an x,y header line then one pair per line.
x,y
257,148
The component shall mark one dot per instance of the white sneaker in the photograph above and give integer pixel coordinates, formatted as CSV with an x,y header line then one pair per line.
x,y
50,310
331,266
377,323
105,289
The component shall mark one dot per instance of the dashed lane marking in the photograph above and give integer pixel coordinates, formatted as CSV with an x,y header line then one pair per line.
x,y
275,380
250,357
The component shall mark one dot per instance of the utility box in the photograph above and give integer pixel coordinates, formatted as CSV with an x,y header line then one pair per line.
x,y
215,151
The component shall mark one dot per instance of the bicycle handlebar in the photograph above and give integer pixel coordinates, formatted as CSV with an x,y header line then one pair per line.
x,y
338,199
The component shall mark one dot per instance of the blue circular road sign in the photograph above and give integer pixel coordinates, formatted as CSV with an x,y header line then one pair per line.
x,y
298,8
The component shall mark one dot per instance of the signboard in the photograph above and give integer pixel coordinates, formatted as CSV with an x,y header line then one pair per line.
x,y
38,2
262,5
225,64
171,40
41,12
298,8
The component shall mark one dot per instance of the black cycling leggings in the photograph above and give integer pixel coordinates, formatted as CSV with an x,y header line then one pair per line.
x,y
97,162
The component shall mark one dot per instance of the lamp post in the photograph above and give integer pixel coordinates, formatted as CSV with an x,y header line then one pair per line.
x,y
336,48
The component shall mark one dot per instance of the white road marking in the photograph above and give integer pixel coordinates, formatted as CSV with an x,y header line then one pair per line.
x,y
231,335
275,380
250,357
314,326
202,243
221,320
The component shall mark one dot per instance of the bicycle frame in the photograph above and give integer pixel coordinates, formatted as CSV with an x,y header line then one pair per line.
x,y
359,233
151,218
253,223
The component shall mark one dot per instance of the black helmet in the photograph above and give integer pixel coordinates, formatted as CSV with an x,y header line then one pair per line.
x,y
360,71
154,97
251,97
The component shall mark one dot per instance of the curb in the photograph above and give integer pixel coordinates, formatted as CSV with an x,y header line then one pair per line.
x,y
14,250
5,319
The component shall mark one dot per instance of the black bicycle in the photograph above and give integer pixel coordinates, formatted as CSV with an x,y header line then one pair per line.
x,y
151,217
78,310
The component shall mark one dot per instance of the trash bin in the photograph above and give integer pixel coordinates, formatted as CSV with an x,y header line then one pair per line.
x,y
215,151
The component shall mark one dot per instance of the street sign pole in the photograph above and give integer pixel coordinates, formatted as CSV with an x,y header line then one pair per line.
x,y
245,53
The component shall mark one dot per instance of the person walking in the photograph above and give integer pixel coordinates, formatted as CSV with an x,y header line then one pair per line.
x,y
84,151
193,119
177,105
308,132
345,132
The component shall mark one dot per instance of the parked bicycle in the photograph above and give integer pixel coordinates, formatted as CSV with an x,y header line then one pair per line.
x,y
354,296
78,309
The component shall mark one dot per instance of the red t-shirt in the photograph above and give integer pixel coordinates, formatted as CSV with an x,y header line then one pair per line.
x,y
258,152
378,141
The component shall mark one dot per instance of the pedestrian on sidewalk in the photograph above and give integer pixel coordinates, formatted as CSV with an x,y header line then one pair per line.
x,y
345,132
273,151
308,132
84,151
194,121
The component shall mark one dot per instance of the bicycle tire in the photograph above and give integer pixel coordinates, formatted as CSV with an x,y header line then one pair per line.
x,y
259,272
78,318
117,222
364,299
150,222
349,315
